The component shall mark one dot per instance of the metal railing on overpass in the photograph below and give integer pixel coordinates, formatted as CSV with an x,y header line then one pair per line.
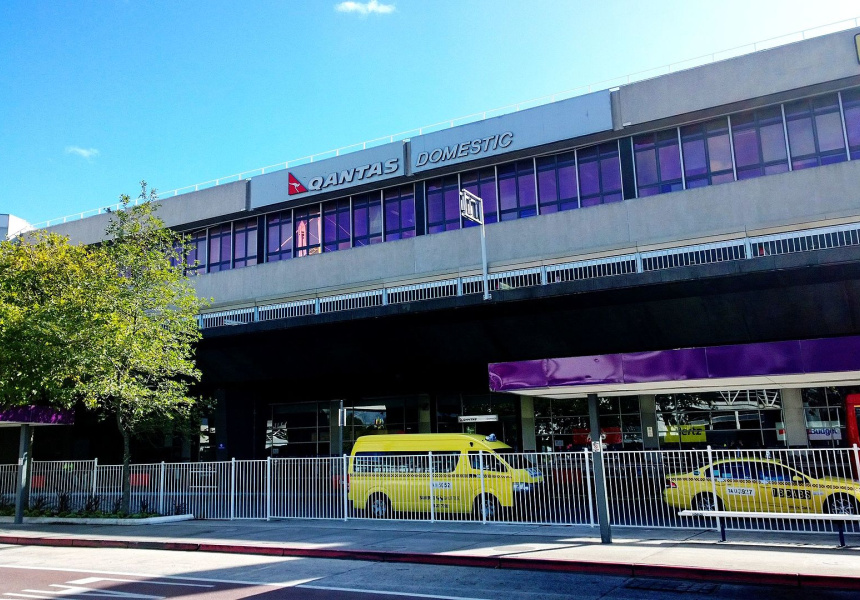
x,y
780,489
744,248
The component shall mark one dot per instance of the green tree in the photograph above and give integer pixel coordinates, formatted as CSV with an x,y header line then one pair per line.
x,y
146,348
51,300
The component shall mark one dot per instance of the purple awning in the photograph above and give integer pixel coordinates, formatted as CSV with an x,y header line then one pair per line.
x,y
769,362
35,415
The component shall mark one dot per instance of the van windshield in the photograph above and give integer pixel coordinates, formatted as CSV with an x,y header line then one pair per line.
x,y
491,463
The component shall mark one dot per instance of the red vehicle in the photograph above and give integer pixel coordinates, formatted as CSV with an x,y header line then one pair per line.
x,y
852,416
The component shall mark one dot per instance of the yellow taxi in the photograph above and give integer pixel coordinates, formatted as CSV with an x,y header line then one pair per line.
x,y
438,472
759,485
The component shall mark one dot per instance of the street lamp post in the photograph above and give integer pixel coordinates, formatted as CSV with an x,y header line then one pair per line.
x,y
472,208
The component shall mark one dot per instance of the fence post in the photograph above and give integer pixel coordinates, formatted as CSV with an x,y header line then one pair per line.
x,y
268,488
483,496
856,460
161,490
432,490
95,476
233,488
345,486
714,488
588,487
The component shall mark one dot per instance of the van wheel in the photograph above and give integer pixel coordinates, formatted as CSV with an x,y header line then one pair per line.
x,y
840,504
379,507
489,509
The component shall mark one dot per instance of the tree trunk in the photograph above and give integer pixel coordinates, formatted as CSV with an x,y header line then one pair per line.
x,y
126,467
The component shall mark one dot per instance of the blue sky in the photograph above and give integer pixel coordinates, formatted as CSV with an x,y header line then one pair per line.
x,y
96,95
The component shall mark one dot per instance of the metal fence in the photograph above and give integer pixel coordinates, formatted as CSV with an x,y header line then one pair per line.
x,y
644,488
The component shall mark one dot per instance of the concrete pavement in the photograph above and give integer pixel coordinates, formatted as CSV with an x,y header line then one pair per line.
x,y
790,559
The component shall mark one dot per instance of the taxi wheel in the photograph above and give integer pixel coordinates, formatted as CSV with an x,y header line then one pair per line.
x,y
841,505
489,508
706,502
379,507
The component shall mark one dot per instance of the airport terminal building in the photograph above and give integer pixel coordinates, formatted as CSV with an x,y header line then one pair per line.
x,y
712,208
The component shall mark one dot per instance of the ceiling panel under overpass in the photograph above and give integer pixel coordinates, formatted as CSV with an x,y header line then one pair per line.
x,y
795,363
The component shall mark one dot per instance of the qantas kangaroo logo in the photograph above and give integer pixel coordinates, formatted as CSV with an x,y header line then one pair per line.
x,y
296,186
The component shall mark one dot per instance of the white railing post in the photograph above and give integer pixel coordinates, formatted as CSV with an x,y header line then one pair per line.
x,y
95,475
857,460
345,486
432,490
713,483
233,488
483,496
161,490
268,488
588,487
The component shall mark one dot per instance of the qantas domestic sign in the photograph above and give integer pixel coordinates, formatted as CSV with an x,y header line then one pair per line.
x,y
344,177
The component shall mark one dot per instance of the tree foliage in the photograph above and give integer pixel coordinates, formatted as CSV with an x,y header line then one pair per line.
x,y
113,325
50,303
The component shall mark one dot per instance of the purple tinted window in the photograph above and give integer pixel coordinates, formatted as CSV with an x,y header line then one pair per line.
x,y
443,204
599,174
196,259
307,230
483,184
399,212
367,219
219,248
658,162
829,130
707,153
280,236
851,108
815,131
336,225
746,147
759,142
517,190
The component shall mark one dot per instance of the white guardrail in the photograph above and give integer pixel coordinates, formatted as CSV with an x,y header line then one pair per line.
x,y
682,65
639,262
782,490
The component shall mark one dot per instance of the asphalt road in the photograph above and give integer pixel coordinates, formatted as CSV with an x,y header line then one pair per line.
x,y
87,573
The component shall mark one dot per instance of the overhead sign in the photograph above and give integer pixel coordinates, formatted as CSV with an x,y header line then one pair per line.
x,y
478,419
545,124
333,174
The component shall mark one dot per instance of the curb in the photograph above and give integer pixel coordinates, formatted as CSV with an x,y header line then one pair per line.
x,y
794,580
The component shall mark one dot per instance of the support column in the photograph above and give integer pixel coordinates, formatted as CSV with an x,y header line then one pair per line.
x,y
527,423
425,406
599,482
335,429
222,446
648,414
22,500
794,419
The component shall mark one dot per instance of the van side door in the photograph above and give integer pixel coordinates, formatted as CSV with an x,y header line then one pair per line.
x,y
442,495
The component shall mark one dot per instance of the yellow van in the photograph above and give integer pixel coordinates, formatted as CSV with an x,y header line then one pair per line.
x,y
438,473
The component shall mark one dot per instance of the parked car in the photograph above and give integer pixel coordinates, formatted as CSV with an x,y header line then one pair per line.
x,y
760,485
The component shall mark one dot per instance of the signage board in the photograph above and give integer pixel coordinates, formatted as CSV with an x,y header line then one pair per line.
x,y
478,419
686,433
330,175
528,128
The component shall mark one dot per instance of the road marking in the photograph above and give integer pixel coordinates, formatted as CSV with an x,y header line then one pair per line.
x,y
88,580
279,584
386,593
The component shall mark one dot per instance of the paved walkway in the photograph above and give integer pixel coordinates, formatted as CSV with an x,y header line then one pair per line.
x,y
797,560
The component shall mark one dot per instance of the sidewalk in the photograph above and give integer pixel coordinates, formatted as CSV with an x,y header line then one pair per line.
x,y
796,560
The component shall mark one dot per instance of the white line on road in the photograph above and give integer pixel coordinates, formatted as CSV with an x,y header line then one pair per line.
x,y
386,593
280,584
88,580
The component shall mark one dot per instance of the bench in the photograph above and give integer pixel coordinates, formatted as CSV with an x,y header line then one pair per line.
x,y
839,519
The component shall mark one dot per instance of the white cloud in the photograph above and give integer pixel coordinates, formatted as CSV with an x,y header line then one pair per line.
x,y
365,8
87,153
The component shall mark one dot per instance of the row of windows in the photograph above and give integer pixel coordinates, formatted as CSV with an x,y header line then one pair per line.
x,y
791,136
